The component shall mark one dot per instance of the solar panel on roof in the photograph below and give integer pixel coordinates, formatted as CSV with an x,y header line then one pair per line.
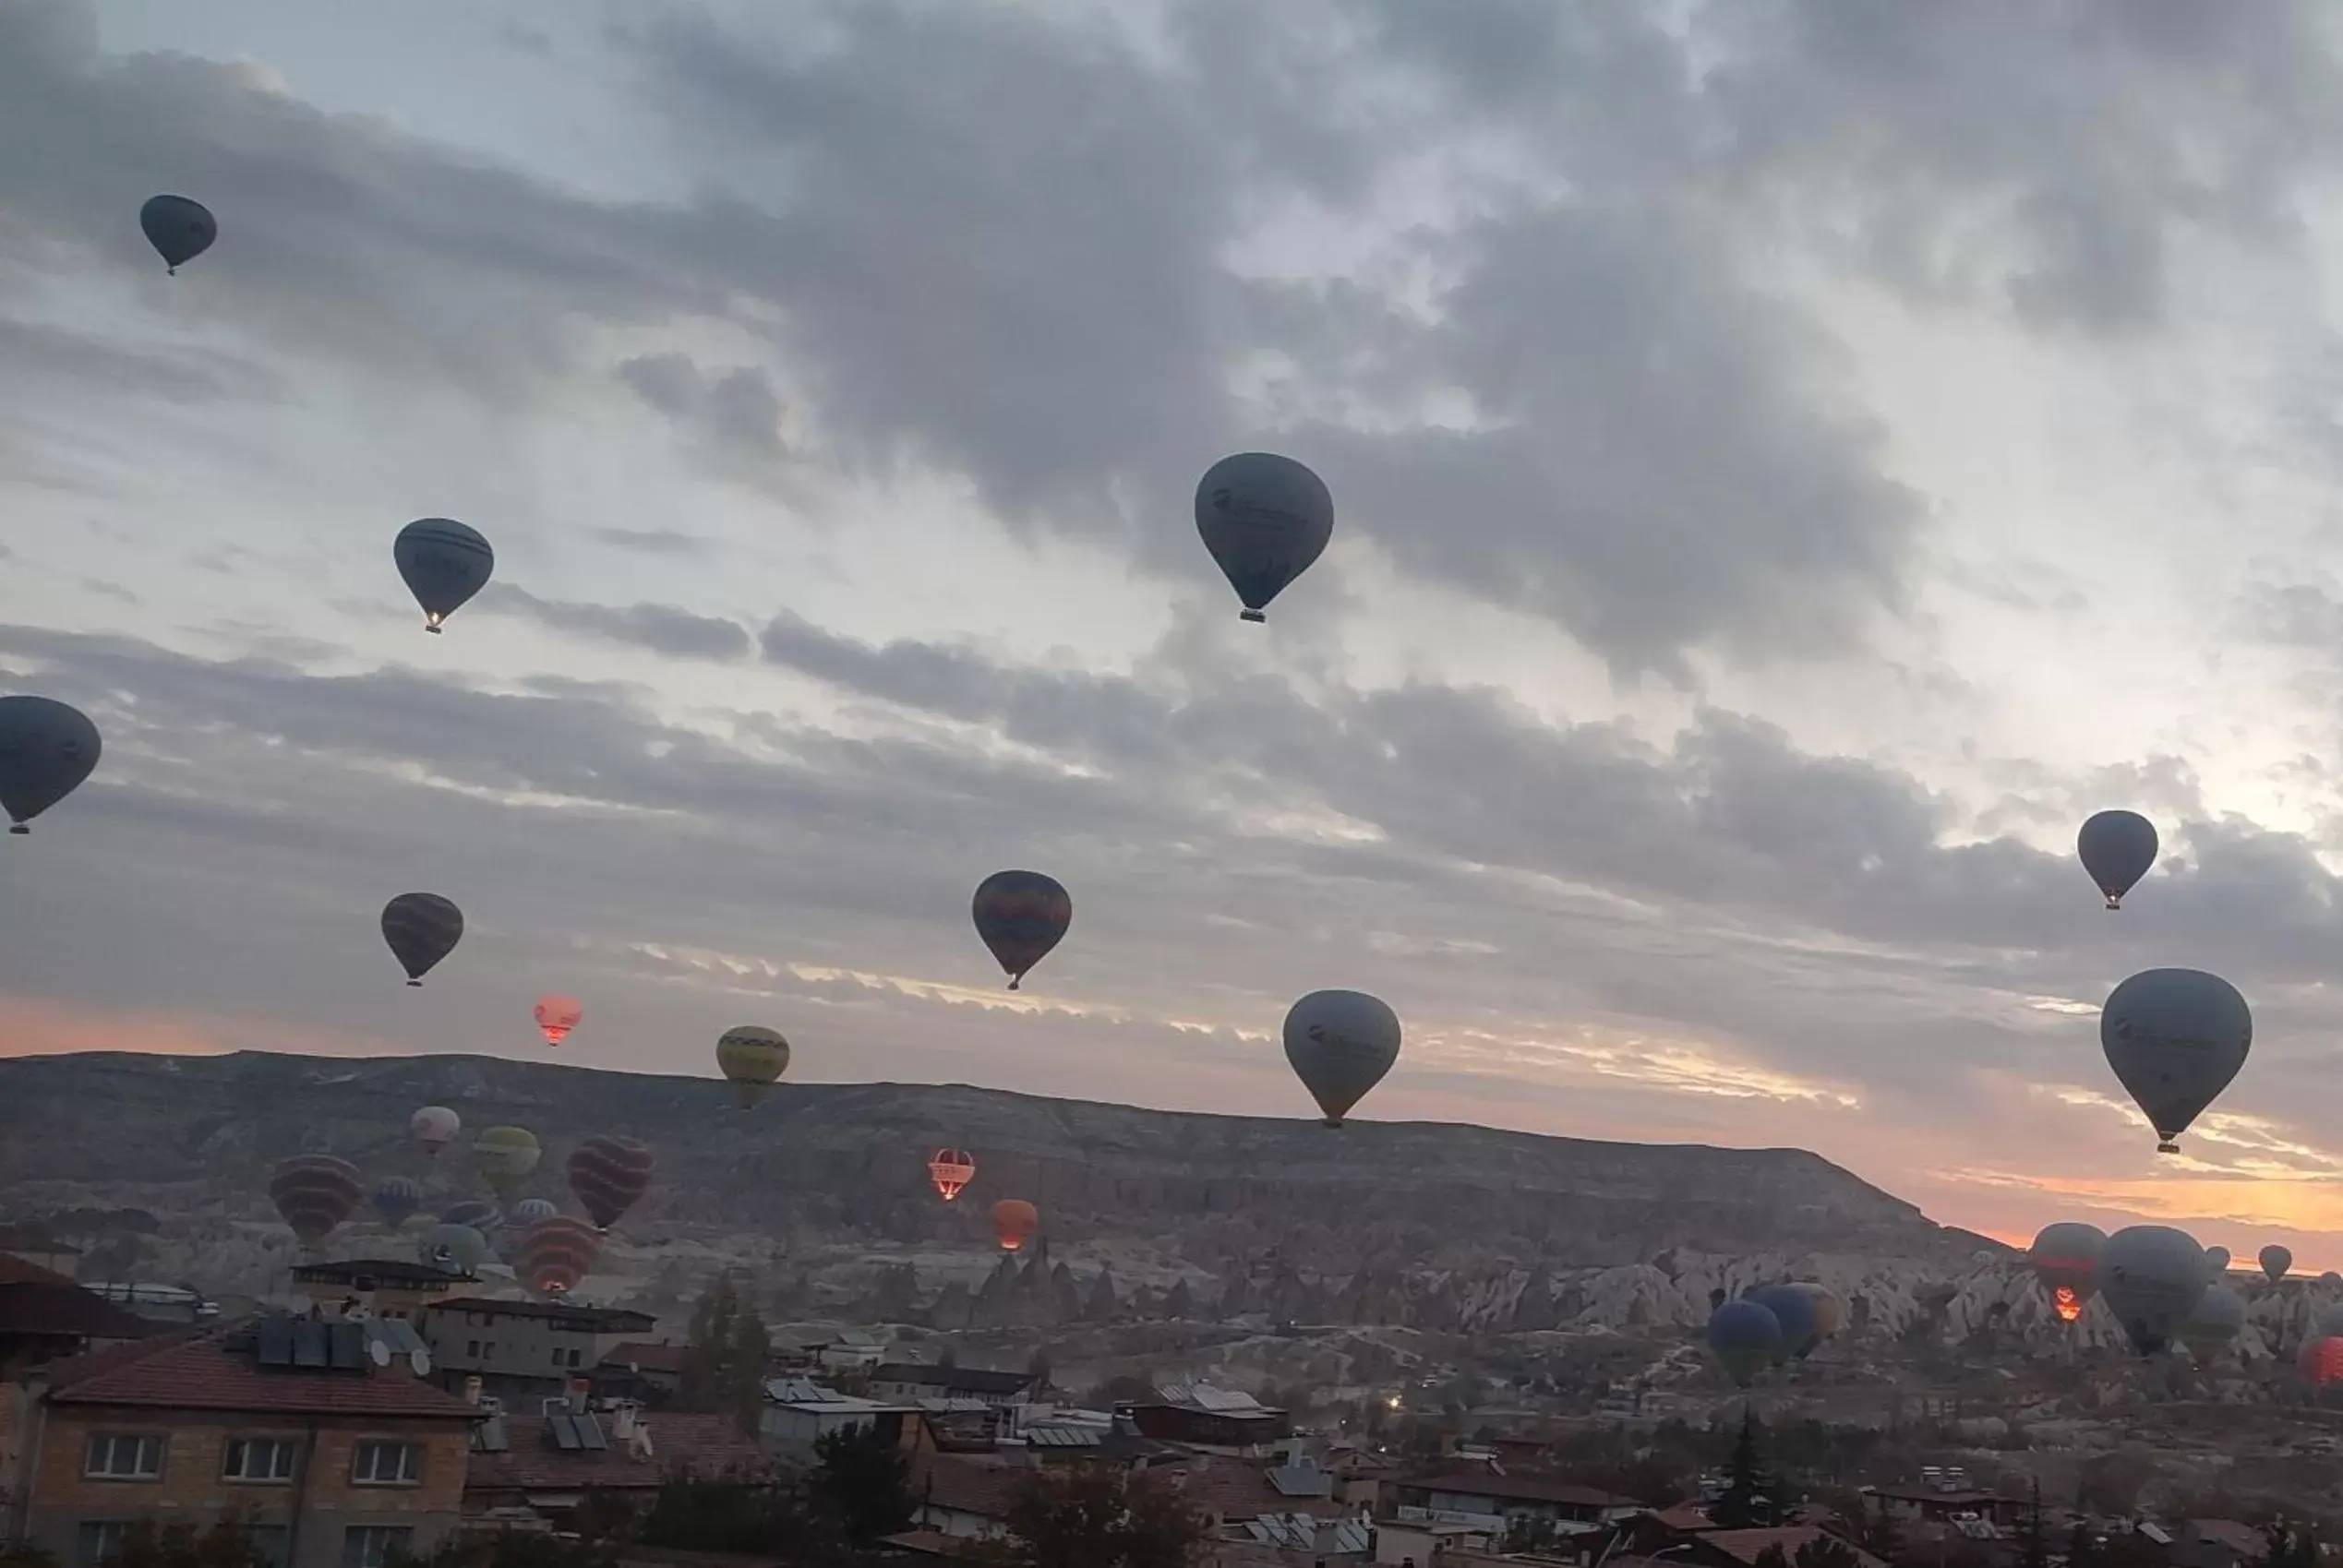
x,y
589,1431
309,1344
346,1347
565,1433
273,1343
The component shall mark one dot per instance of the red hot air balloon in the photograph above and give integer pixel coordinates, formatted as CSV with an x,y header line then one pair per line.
x,y
1021,915
1014,1220
610,1174
556,1015
314,1194
554,1254
951,1169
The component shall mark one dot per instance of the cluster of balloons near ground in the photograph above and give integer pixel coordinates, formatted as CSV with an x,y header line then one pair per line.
x,y
2164,1289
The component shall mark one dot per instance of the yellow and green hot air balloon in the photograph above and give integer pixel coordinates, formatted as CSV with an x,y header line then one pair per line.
x,y
753,1057
506,1155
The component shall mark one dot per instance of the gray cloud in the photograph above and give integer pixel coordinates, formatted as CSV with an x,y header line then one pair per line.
x,y
660,628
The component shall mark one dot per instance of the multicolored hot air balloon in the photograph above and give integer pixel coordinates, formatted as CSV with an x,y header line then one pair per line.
x,y
1265,519
556,1015
951,1169
46,750
1746,1337
2116,848
506,1155
2276,1260
555,1254
610,1174
453,1248
397,1199
314,1194
435,1126
180,228
484,1217
2175,1038
1021,915
1341,1044
1014,1221
422,928
2066,1260
444,563
753,1057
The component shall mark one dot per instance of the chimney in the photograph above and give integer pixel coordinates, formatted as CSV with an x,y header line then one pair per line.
x,y
472,1389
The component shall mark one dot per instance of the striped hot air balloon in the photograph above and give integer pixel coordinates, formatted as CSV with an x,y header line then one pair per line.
x,y
951,1169
554,1254
314,1194
422,928
610,1174
1021,915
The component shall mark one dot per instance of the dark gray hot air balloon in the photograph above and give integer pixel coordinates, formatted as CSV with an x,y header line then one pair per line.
x,y
1340,1043
2152,1277
2175,1038
2117,848
46,750
444,563
179,229
2276,1260
422,928
1265,519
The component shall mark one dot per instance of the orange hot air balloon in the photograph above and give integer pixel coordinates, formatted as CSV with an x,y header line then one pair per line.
x,y
951,1169
2066,1303
1014,1220
556,1015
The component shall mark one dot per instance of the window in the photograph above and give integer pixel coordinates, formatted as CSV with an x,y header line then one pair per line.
x,y
387,1463
371,1546
121,1457
269,1543
258,1459
97,1540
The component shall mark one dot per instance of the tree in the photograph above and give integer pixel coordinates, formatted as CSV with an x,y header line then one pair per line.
x,y
1748,1500
1091,1516
862,1477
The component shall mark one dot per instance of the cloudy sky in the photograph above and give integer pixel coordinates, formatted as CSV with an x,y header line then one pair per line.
x,y
1792,459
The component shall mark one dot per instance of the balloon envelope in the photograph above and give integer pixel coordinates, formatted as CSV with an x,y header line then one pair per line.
x,y
453,1248
444,564
2276,1260
314,1194
610,1174
46,750
1745,1337
554,1254
397,1199
1021,915
2175,1039
556,1015
422,928
951,1169
1014,1220
435,1126
178,227
2116,848
1341,1044
2153,1278
1265,519
753,1057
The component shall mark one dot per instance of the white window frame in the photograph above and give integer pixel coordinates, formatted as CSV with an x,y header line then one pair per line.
x,y
283,1456
369,1545
365,1474
110,1443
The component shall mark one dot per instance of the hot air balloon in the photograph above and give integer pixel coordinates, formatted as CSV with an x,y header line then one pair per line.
x,y
1265,519
1014,1220
484,1217
180,229
2321,1360
2276,1260
397,1199
435,1126
444,564
1021,915
2066,1260
2152,1276
314,1194
556,1015
951,1169
1746,1337
2175,1039
1793,1310
422,928
554,1254
1829,1316
2218,1259
1341,1044
610,1174
2214,1325
453,1248
753,1057
529,1211
46,750
506,1155
2117,848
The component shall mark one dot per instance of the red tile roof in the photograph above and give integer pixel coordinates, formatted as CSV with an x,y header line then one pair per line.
x,y
711,1447
1747,1546
193,1369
